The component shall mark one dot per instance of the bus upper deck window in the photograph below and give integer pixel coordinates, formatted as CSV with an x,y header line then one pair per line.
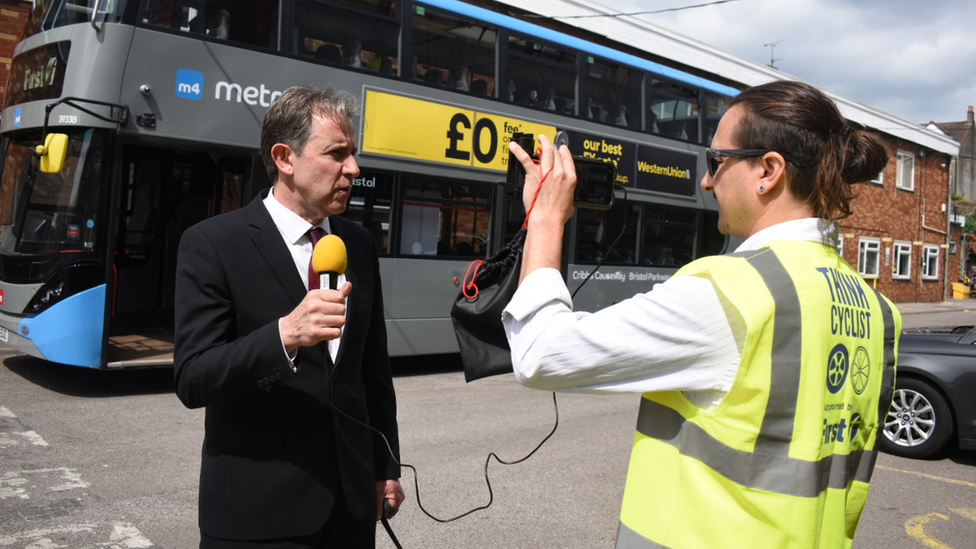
x,y
253,22
541,76
452,52
361,34
673,111
613,93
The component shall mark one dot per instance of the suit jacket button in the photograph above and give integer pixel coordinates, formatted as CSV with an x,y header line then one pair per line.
x,y
335,373
277,376
261,383
336,422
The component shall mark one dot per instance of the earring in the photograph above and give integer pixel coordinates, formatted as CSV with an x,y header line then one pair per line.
x,y
762,188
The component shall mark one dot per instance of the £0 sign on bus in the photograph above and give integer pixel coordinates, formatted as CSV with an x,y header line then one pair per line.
x,y
422,130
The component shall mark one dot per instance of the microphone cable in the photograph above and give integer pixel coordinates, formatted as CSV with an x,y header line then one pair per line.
x,y
416,476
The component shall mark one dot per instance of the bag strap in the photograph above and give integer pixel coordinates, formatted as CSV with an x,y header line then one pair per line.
x,y
468,284
465,285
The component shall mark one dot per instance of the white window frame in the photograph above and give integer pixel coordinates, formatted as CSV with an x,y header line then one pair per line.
x,y
905,174
880,179
930,262
901,266
867,247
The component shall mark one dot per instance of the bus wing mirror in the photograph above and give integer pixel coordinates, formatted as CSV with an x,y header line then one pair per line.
x,y
53,152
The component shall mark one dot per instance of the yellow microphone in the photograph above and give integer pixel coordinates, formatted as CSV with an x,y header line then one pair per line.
x,y
329,258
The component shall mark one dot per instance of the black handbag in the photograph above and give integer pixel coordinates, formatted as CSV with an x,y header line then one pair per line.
x,y
487,288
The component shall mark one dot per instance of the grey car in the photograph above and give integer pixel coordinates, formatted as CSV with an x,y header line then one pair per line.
x,y
933,404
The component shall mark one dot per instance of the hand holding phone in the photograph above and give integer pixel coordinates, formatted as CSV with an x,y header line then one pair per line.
x,y
595,178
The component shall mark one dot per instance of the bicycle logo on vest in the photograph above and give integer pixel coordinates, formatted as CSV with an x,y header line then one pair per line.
x,y
839,366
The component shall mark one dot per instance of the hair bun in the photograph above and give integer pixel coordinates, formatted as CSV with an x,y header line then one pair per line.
x,y
865,154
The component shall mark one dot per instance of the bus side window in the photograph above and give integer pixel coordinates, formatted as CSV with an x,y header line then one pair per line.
x,y
253,22
444,219
669,236
541,76
615,90
370,205
596,231
674,110
452,52
360,34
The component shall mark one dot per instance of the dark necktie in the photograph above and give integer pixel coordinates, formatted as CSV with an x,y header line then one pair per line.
x,y
314,234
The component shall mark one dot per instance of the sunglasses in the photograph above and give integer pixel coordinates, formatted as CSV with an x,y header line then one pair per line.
x,y
712,154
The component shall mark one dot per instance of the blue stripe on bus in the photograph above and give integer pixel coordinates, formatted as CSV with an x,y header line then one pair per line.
x,y
71,331
535,31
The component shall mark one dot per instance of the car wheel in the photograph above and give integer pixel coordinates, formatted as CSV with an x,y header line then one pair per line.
x,y
919,423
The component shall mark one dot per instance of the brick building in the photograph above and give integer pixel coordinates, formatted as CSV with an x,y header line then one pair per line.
x,y
899,235
13,17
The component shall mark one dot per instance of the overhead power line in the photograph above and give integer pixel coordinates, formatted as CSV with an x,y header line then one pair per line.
x,y
628,14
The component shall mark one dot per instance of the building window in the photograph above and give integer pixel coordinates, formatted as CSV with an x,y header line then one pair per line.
x,y
930,262
880,179
905,177
903,260
867,257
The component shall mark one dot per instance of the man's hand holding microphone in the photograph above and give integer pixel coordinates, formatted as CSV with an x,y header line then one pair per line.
x,y
322,314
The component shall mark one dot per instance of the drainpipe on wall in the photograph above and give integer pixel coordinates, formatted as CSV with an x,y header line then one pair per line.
x,y
948,235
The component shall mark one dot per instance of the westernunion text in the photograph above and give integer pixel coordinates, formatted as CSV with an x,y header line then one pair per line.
x,y
668,171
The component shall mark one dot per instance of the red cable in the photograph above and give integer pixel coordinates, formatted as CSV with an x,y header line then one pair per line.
x,y
477,263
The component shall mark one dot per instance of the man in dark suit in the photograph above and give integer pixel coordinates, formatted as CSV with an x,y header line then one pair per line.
x,y
270,358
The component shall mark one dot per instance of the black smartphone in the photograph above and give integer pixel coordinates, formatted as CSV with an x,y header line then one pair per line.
x,y
595,178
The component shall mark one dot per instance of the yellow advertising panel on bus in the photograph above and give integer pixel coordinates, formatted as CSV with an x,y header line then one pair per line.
x,y
423,130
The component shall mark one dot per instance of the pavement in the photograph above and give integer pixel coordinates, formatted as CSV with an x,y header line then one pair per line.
x,y
951,312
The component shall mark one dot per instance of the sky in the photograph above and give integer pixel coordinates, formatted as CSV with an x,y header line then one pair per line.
x,y
915,59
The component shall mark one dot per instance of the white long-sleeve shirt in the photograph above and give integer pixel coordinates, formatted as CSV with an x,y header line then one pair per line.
x,y
675,337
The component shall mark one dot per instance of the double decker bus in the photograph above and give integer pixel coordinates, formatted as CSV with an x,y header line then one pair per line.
x,y
152,109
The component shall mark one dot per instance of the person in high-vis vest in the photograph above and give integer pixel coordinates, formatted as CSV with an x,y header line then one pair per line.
x,y
764,373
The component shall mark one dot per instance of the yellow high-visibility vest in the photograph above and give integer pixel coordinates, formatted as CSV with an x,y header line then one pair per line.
x,y
784,460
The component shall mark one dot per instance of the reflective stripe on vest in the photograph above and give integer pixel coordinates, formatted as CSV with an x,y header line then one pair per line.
x,y
768,467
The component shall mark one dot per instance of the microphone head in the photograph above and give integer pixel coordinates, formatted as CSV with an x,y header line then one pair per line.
x,y
329,255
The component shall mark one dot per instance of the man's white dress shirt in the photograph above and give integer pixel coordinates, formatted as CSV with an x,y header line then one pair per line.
x,y
294,231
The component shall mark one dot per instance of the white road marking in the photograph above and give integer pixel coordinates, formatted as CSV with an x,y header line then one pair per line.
x,y
9,484
44,535
33,437
130,536
11,481
123,535
13,484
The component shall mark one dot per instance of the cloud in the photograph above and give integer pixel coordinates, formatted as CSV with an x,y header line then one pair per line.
x,y
912,59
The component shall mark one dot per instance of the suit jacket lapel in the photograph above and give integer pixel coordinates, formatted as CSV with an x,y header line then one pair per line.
x,y
267,239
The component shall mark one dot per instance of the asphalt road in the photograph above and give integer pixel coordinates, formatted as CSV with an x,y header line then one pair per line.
x,y
94,459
